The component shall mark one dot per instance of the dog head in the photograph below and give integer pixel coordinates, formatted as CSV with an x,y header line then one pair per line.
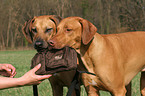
x,y
72,32
40,29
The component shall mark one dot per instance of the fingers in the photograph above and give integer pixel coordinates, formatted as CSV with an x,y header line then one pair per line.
x,y
13,74
36,68
13,69
7,70
42,77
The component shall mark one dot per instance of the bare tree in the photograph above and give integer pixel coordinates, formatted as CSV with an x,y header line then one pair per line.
x,y
109,16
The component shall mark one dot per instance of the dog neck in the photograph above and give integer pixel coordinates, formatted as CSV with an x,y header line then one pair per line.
x,y
86,56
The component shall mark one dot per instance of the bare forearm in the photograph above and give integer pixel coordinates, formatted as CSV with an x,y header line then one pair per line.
x,y
6,82
29,78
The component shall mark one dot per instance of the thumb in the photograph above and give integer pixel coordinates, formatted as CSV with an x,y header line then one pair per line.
x,y
36,68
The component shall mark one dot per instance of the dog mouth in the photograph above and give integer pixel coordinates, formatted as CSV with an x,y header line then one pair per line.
x,y
52,44
41,49
40,46
54,48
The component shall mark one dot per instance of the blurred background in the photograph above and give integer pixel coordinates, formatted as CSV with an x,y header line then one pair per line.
x,y
109,16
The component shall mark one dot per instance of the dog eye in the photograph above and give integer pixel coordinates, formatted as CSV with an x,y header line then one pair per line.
x,y
48,30
34,30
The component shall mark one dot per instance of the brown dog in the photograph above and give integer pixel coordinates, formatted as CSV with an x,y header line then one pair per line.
x,y
114,58
38,31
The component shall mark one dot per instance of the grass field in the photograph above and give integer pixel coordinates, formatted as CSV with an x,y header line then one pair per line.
x,y
22,60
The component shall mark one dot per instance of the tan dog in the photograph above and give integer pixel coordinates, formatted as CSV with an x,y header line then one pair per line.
x,y
38,31
114,58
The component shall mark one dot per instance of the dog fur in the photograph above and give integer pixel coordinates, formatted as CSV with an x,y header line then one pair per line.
x,y
114,58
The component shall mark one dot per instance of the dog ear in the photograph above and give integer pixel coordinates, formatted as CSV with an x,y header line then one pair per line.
x,y
27,30
88,31
56,19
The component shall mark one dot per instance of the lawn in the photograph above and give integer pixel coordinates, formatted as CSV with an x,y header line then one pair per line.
x,y
22,60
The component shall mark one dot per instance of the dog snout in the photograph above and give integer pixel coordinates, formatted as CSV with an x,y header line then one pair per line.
x,y
51,42
38,44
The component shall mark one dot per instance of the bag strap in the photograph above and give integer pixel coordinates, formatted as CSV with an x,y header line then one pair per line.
x,y
75,83
35,90
86,72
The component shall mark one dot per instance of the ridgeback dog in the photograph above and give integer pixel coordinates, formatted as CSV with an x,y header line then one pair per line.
x,y
114,58
38,31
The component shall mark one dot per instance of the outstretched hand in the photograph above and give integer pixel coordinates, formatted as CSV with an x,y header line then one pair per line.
x,y
30,78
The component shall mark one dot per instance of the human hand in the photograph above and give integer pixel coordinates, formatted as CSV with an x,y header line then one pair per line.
x,y
7,70
30,78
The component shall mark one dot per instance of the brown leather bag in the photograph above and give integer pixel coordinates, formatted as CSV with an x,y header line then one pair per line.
x,y
54,61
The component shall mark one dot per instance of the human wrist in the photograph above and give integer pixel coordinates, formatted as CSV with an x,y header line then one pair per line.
x,y
21,81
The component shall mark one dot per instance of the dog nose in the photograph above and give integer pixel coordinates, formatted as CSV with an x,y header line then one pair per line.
x,y
51,42
38,44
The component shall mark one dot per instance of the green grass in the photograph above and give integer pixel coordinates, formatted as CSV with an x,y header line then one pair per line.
x,y
22,60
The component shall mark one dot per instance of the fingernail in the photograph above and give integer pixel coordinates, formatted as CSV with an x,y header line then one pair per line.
x,y
49,75
9,70
39,64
